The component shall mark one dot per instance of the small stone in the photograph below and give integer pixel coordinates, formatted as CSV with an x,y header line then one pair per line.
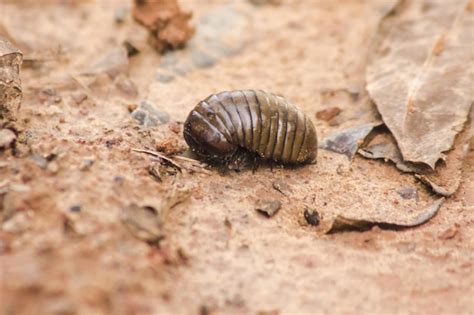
x,y
86,164
311,216
202,59
126,85
408,193
40,160
119,179
164,78
79,97
75,208
7,137
328,114
147,115
139,116
53,167
269,208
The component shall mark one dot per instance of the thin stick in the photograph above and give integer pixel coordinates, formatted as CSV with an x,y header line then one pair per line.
x,y
186,159
195,164
192,167
159,155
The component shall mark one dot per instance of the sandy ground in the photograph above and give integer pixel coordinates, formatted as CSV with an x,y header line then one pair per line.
x,y
64,248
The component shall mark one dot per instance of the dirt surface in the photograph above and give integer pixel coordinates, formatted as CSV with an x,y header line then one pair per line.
x,y
64,247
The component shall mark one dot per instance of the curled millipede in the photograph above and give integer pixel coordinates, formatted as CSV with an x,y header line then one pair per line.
x,y
254,121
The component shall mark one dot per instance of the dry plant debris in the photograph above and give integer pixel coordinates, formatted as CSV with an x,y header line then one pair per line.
x,y
444,180
420,75
344,223
147,222
10,84
168,24
347,141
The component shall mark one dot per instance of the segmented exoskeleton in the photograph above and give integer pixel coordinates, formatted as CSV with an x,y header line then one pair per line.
x,y
259,122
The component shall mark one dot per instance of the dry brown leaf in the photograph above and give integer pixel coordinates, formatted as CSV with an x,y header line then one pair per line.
x,y
343,223
146,222
444,180
420,75
10,84
348,141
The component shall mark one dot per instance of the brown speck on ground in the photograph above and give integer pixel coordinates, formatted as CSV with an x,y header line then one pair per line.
x,y
82,228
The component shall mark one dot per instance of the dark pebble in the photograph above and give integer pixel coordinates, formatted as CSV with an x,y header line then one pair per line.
x,y
312,216
75,208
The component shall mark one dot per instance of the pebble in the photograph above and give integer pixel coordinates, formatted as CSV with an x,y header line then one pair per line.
x,y
7,137
86,164
40,160
126,85
75,208
148,116
164,78
79,97
202,59
269,208
311,216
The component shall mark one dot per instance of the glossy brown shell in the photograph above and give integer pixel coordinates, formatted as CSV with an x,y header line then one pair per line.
x,y
259,122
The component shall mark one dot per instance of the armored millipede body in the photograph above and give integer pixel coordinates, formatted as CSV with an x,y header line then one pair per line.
x,y
258,122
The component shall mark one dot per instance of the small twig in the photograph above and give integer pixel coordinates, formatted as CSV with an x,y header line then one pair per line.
x,y
160,160
186,159
199,169
195,164
158,155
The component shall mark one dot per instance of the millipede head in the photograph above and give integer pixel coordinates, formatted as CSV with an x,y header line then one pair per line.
x,y
206,140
